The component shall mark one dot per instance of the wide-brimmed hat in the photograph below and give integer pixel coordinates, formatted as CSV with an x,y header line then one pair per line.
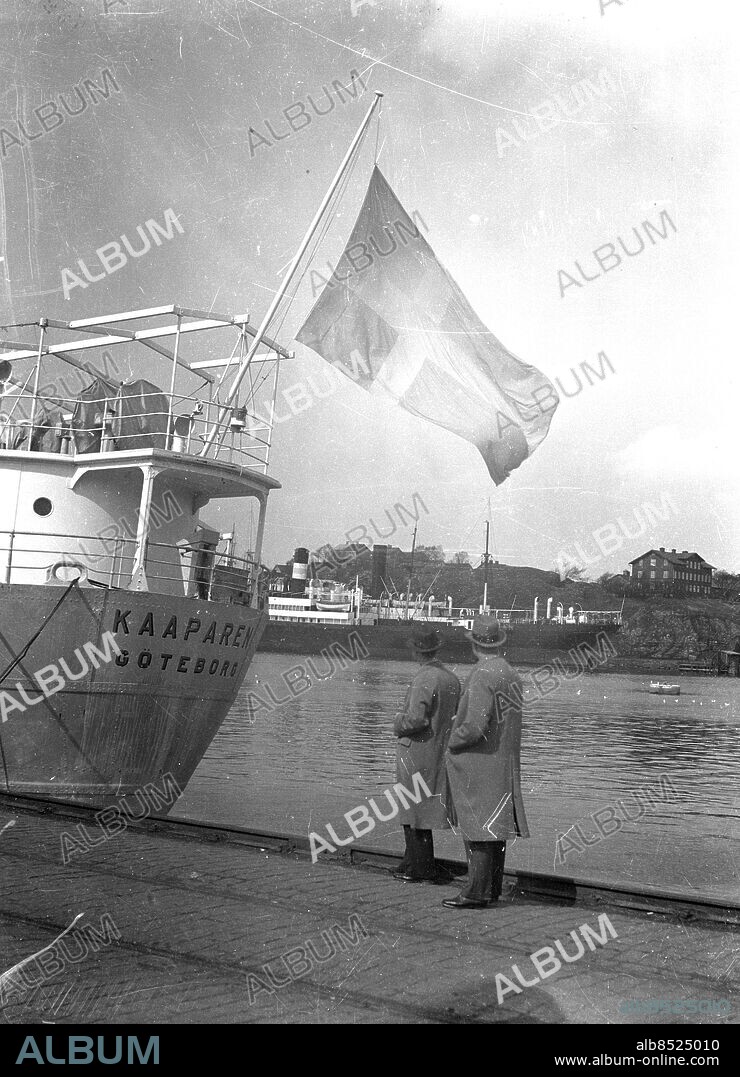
x,y
425,640
487,632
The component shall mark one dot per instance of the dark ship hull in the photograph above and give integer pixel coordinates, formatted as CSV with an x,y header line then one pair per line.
x,y
528,644
148,712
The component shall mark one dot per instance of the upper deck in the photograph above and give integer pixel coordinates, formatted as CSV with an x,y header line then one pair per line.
x,y
109,413
88,442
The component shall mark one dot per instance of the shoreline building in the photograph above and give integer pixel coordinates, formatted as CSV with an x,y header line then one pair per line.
x,y
668,572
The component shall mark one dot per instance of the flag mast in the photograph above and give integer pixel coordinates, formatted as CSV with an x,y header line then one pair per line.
x,y
234,388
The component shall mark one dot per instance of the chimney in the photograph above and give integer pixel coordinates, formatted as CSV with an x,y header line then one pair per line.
x,y
379,570
297,583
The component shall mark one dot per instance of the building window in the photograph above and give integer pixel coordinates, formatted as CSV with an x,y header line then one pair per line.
x,y
652,574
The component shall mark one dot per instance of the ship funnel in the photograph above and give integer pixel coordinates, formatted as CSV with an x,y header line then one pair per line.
x,y
300,571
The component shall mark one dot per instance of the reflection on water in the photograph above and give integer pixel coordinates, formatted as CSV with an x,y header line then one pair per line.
x,y
594,742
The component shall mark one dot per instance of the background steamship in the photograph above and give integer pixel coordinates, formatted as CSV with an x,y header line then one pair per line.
x,y
308,612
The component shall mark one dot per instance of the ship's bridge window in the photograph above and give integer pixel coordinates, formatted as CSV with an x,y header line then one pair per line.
x,y
42,506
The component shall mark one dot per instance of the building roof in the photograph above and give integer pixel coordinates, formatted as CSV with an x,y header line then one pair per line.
x,y
674,558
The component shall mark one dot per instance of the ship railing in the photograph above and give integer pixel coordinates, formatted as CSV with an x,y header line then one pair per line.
x,y
209,574
167,421
416,615
506,616
599,617
510,616
198,422
188,569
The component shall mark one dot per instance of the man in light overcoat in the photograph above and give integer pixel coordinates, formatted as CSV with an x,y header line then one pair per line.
x,y
483,766
423,727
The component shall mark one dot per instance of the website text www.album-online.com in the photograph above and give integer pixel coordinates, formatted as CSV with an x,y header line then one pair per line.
x,y
655,1054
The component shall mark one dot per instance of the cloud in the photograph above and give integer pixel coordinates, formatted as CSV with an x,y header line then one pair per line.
x,y
668,452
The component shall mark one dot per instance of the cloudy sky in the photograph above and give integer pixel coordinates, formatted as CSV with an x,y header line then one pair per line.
x,y
507,202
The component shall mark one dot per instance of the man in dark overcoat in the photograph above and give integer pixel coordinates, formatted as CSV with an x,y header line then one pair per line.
x,y
483,766
423,727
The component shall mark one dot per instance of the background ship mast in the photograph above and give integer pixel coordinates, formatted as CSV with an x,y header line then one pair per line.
x,y
411,572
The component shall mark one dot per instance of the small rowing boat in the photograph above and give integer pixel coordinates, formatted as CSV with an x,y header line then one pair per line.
x,y
663,689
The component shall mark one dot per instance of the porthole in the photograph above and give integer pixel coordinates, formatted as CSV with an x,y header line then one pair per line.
x,y
42,506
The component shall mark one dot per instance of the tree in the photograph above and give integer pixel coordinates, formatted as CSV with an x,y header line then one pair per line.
x,y
575,574
727,584
462,557
616,585
429,553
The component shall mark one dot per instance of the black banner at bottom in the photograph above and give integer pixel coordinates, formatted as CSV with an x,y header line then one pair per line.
x,y
556,1047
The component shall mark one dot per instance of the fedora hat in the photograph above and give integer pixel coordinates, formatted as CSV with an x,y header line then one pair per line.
x,y
425,640
487,632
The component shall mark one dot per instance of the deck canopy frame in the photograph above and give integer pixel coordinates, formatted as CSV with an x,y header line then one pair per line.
x,y
110,330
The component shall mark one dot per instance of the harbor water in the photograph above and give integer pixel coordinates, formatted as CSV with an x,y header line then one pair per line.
x,y
661,772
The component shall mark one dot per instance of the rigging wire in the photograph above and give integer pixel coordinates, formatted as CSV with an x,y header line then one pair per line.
x,y
19,658
318,239
377,130
291,289
310,254
24,650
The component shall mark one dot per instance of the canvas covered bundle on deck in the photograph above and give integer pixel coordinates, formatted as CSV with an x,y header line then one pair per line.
x,y
136,416
94,404
47,427
47,434
142,416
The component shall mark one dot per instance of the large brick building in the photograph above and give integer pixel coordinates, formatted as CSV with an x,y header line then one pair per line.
x,y
684,573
